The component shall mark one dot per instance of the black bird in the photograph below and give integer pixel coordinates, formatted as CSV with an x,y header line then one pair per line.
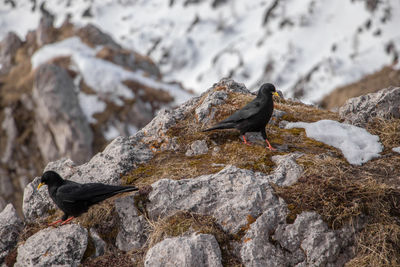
x,y
254,116
75,198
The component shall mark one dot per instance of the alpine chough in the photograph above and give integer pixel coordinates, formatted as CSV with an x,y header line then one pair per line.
x,y
75,198
254,116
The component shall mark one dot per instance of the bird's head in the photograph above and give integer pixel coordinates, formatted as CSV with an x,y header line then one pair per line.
x,y
267,89
50,178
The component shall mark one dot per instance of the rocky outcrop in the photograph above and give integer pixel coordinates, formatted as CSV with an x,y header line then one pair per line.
x,y
216,217
10,227
61,127
194,250
383,104
62,246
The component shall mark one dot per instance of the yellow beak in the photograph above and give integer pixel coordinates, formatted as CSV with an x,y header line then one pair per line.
x,y
40,185
275,94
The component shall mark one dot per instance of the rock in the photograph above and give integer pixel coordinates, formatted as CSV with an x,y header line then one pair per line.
x,y
118,158
287,171
276,116
36,203
62,246
195,250
383,104
230,195
58,111
6,186
309,240
122,155
99,244
10,129
45,31
205,112
93,36
198,147
8,49
133,231
257,248
10,227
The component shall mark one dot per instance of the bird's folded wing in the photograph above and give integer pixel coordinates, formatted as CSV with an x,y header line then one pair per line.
x,y
83,192
246,112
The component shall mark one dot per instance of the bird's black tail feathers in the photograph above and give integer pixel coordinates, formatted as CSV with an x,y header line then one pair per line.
x,y
112,191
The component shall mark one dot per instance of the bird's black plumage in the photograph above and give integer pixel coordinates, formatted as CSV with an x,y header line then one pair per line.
x,y
75,198
254,116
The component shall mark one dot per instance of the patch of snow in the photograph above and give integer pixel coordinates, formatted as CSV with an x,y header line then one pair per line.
x,y
111,133
357,144
90,105
396,149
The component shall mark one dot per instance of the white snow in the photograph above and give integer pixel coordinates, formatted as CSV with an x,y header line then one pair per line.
x,y
357,144
396,149
103,76
230,39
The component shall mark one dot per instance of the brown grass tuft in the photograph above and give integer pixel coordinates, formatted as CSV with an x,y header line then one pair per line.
x,y
387,130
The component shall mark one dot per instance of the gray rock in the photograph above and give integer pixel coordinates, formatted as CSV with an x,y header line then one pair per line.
x,y
36,203
309,239
133,230
195,250
205,112
198,147
10,129
94,36
257,248
230,195
10,227
61,127
99,244
6,186
276,116
118,158
383,104
8,48
62,246
287,171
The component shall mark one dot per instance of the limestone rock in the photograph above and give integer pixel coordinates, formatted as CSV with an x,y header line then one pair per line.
x,y
99,244
10,227
205,112
8,48
195,250
62,246
308,239
383,104
257,248
61,127
133,230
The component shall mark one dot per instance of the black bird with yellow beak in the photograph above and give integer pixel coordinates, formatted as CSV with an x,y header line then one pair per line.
x,y
254,116
75,198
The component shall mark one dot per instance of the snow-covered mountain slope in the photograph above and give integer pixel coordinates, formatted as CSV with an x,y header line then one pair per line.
x,y
307,48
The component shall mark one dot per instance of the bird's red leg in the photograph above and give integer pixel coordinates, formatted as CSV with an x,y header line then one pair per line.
x,y
245,141
269,145
67,220
54,223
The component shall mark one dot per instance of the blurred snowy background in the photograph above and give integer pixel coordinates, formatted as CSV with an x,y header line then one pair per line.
x,y
307,48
